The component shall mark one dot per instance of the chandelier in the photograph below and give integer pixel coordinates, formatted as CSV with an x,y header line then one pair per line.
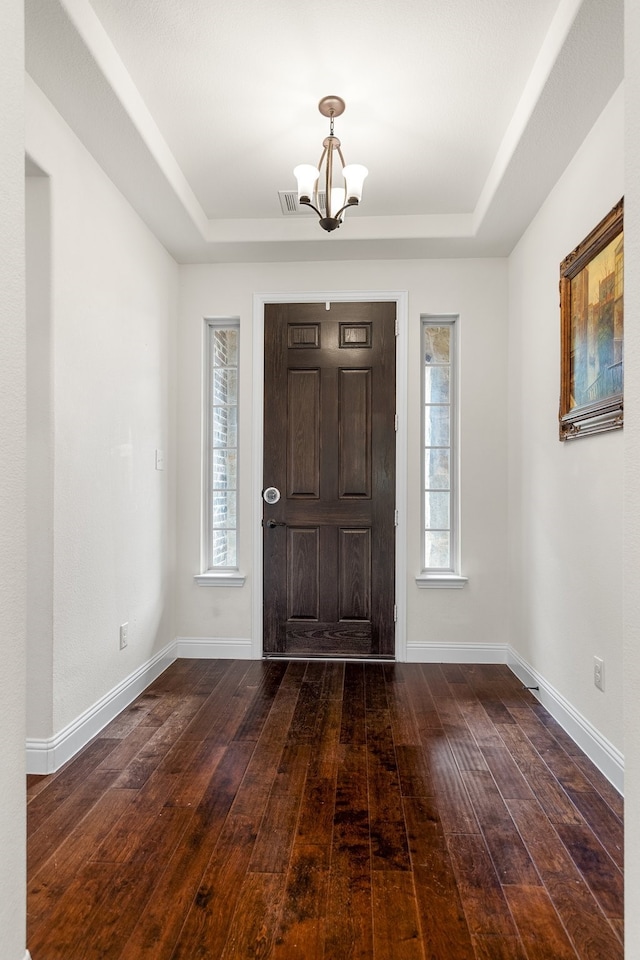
x,y
338,196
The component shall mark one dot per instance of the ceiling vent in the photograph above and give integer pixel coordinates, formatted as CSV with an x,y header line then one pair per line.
x,y
291,207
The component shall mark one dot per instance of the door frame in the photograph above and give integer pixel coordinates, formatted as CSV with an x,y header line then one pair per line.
x,y
401,299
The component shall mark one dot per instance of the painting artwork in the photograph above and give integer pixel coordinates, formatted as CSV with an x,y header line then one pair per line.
x,y
591,317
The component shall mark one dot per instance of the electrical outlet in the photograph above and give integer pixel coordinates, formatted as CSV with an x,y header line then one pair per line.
x,y
598,672
124,635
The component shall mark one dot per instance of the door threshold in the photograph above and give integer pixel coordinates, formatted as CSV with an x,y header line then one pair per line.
x,y
309,658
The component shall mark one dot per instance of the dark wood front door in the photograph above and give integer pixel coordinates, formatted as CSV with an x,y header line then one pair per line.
x,y
329,450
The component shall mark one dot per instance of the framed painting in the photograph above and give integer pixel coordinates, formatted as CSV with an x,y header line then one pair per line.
x,y
591,330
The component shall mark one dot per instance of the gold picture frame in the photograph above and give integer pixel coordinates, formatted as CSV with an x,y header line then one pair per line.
x,y
592,331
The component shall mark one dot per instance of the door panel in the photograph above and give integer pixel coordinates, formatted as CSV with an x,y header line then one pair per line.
x,y
303,433
303,562
329,447
354,434
354,574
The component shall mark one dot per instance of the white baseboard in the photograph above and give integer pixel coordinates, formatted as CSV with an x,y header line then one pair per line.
x,y
456,653
209,648
600,751
47,756
603,754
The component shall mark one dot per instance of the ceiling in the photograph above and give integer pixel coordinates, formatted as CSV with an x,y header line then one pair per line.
x,y
466,112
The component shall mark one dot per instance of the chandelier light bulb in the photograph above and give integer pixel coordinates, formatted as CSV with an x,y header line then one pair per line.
x,y
354,175
307,176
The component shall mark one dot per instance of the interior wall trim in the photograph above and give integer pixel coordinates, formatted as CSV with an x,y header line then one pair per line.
x,y
213,648
47,756
607,758
456,653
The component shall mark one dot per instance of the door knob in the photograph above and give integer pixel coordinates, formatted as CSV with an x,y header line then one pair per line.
x,y
275,523
271,495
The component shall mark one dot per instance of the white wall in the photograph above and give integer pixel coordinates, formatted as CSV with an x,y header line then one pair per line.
x,y
565,499
12,486
476,290
108,342
632,485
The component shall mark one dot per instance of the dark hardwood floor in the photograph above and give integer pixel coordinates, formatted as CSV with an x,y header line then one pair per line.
x,y
327,810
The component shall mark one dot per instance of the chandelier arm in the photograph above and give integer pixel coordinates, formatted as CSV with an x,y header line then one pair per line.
x,y
308,203
322,156
342,209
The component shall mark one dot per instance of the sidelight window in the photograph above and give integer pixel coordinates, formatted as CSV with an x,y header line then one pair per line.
x,y
220,513
439,462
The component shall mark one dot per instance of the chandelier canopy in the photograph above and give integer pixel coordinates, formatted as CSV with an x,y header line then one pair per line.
x,y
343,186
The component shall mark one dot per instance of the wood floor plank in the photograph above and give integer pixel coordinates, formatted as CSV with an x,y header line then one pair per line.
x,y
396,930
499,948
403,721
323,762
419,695
317,808
211,716
539,926
444,928
558,732
65,782
155,750
212,835
305,718
300,933
254,922
62,936
130,717
456,810
352,728
43,842
464,748
127,748
482,896
49,882
349,926
272,849
578,909
546,788
604,823
36,783
333,683
509,778
508,852
187,783
613,799
414,774
592,939
375,689
199,924
264,694
124,894
603,877
436,681
389,847
478,721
